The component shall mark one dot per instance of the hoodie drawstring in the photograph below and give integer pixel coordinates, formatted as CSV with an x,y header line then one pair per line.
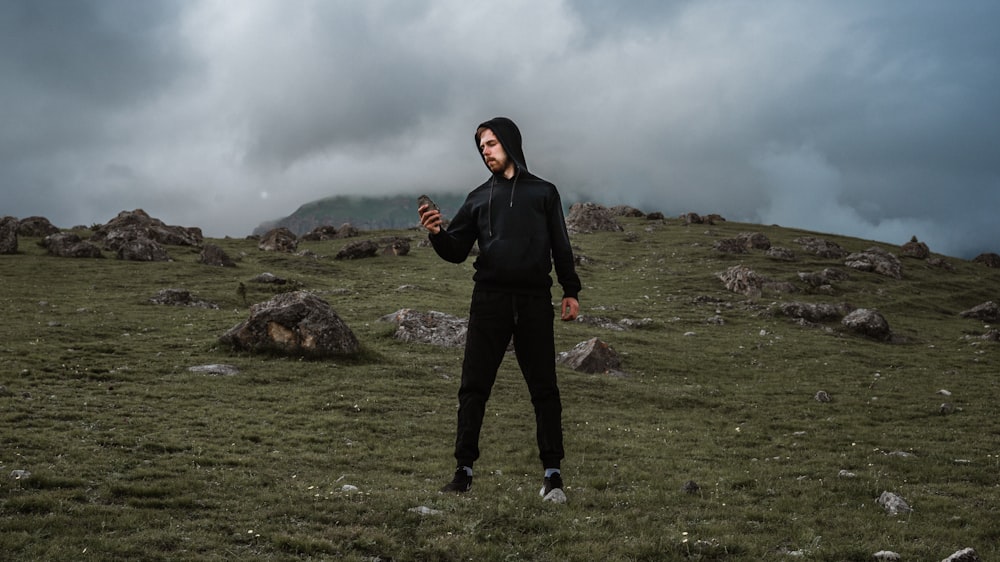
x,y
489,210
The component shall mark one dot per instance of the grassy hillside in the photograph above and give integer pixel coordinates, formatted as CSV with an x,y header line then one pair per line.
x,y
133,456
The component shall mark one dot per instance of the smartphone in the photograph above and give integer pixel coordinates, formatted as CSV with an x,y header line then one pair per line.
x,y
425,200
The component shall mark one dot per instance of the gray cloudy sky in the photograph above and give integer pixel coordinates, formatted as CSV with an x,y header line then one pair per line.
x,y
872,119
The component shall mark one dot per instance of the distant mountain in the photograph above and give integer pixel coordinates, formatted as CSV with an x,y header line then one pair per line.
x,y
365,213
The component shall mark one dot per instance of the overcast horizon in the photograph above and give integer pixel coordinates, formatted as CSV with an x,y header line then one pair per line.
x,y
868,119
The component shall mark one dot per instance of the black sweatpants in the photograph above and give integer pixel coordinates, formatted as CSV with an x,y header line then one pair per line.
x,y
493,318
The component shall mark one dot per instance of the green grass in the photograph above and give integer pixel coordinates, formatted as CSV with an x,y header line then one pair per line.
x,y
133,456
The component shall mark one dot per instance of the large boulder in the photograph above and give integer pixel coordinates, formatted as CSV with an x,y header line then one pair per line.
x,y
68,245
216,256
915,249
8,235
180,297
876,260
278,240
591,217
432,327
814,312
142,249
395,246
988,311
821,247
137,224
36,226
627,211
741,279
321,233
591,356
868,322
989,259
298,324
358,250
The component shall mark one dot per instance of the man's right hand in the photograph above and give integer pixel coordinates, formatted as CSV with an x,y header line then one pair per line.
x,y
430,219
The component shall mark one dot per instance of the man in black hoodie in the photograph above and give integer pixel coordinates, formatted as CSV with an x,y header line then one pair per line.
x,y
517,219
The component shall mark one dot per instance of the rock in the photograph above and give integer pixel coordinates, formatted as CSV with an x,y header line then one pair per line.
x,y
988,311
846,474
915,249
893,504
358,250
8,235
626,211
278,240
269,278
655,216
779,253
434,328
142,249
68,245
215,256
296,323
555,496
424,510
396,246
868,322
741,279
179,297
946,408
754,240
876,260
585,218
825,277
989,259
941,263
820,247
886,555
134,225
691,218
814,312
822,396
591,356
36,226
964,555
19,474
347,230
321,233
215,369
730,246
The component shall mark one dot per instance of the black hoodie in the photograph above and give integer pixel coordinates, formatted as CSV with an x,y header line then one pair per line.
x,y
519,225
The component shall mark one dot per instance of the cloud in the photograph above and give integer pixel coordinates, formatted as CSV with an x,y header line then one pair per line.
x,y
877,114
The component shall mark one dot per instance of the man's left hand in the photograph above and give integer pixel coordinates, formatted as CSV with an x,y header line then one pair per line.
x,y
570,308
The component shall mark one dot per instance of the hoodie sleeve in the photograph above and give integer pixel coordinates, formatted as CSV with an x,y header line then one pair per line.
x,y
454,243
562,252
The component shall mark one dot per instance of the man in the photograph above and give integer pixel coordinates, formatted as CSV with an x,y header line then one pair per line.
x,y
517,219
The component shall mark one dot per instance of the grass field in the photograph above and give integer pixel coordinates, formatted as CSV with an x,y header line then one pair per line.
x,y
134,457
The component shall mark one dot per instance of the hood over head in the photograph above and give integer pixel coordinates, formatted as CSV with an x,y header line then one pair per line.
x,y
510,138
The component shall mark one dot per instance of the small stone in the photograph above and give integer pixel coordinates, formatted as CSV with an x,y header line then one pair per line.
x,y
20,474
846,474
555,496
424,510
893,504
944,392
946,408
822,396
215,369
348,488
964,555
886,555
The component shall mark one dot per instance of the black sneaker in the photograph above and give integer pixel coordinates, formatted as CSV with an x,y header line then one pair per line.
x,y
552,489
460,484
